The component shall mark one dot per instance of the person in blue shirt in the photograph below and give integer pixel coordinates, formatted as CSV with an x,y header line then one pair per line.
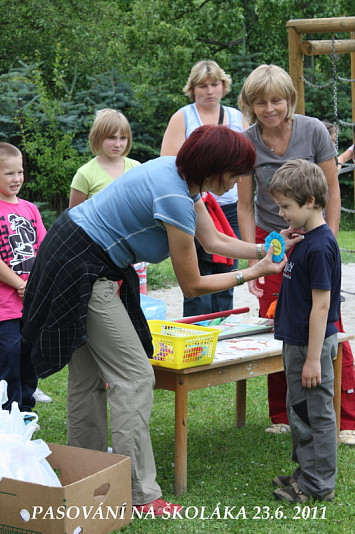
x,y
153,211
307,309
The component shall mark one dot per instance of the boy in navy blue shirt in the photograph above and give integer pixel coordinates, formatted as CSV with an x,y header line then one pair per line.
x,y
307,308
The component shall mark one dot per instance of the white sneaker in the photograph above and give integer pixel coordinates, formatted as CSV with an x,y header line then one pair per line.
x,y
278,428
347,437
39,396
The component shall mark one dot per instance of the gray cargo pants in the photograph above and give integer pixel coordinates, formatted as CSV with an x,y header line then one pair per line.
x,y
312,419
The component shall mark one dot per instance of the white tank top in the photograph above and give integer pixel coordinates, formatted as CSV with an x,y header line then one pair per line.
x,y
234,122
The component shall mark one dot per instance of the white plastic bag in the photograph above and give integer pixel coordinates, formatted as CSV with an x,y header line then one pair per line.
x,y
20,457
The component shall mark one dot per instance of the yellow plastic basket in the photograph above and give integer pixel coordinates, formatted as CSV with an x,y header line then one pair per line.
x,y
180,345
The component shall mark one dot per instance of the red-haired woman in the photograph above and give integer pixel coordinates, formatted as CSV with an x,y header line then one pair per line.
x,y
151,212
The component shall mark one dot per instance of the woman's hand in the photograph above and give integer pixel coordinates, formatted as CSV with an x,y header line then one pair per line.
x,y
262,268
292,236
267,266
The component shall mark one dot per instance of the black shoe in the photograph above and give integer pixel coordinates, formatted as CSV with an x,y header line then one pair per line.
x,y
293,494
283,480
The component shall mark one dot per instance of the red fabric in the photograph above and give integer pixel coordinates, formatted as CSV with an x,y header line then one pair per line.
x,y
221,223
347,415
277,381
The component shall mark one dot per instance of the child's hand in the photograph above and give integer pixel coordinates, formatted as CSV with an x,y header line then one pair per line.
x,y
252,284
254,288
21,289
311,374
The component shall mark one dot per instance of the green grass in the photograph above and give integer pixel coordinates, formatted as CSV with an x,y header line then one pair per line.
x,y
161,275
346,241
226,465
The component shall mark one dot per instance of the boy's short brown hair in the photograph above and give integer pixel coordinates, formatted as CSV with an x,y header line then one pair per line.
x,y
107,122
8,151
300,180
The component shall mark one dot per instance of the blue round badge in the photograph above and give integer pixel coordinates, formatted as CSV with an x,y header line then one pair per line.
x,y
278,241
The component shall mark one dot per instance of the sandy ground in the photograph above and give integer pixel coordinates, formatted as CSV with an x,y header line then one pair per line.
x,y
173,299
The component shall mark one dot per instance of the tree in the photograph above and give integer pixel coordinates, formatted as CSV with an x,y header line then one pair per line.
x,y
136,55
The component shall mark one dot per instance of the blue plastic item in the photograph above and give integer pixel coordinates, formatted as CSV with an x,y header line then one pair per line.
x,y
153,308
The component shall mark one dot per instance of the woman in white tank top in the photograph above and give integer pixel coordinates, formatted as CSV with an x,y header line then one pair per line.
x,y
206,86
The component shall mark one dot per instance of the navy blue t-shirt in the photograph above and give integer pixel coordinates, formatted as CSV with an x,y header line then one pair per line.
x,y
314,263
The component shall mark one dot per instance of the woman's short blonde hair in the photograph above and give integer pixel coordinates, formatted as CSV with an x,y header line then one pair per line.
x,y
264,80
203,70
107,123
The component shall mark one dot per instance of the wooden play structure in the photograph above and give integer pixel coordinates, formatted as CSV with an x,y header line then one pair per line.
x,y
298,47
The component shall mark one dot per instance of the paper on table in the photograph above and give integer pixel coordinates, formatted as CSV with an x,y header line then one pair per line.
x,y
230,349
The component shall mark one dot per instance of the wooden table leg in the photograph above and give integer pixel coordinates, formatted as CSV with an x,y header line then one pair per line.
x,y
337,364
241,403
180,438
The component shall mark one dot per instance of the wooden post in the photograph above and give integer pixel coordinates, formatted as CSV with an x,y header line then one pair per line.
x,y
181,438
297,48
241,403
296,67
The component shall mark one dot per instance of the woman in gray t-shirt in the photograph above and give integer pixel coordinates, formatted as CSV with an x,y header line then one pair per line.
x,y
267,101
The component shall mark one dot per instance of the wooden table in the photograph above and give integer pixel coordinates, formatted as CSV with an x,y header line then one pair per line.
x,y
237,370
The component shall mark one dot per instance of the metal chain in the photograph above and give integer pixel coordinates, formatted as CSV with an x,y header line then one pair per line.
x,y
321,86
333,82
337,121
307,82
345,79
335,90
345,123
346,210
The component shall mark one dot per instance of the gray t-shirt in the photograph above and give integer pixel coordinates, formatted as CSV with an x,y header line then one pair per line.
x,y
310,140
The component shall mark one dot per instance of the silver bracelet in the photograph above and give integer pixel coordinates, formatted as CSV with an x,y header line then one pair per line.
x,y
239,278
258,251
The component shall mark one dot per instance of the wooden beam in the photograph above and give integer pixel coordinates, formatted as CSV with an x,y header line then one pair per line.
x,y
313,48
336,24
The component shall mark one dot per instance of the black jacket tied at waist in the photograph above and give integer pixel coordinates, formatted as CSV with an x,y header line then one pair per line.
x,y
58,292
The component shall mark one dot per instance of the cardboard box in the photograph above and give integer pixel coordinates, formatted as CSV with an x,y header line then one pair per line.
x,y
88,479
